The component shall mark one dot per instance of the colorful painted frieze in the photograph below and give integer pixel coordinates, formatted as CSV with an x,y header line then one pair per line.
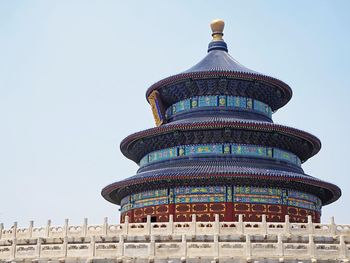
x,y
151,202
208,101
233,102
284,155
248,150
203,149
199,190
218,149
162,154
150,194
200,198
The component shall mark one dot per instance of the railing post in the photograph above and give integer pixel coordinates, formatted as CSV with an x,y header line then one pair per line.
x,y
287,225
121,245
171,225
1,229
310,225
65,246
194,224
38,247
47,230
216,245
92,247
148,225
248,247
184,246
240,224
333,227
13,247
126,225
14,230
217,224
105,226
30,228
311,248
152,247
280,247
264,224
66,227
343,253
85,226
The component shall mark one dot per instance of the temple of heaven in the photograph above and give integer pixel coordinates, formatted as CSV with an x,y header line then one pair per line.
x,y
216,150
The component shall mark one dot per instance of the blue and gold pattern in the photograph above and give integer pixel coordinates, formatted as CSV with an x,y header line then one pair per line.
x,y
220,194
219,149
230,102
250,194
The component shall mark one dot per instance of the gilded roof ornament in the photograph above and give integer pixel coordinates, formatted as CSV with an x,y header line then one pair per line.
x,y
217,27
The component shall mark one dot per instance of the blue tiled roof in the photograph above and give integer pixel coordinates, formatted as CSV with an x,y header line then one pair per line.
x,y
220,60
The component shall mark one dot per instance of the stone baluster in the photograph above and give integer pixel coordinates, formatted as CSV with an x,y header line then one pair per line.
x,y
13,249
248,247
1,229
333,227
92,247
240,224
264,224
105,226
194,225
280,248
343,250
311,247
84,227
121,246
171,225
287,225
66,227
217,224
65,246
148,225
310,225
30,228
47,230
126,225
14,230
152,246
38,247
184,246
216,245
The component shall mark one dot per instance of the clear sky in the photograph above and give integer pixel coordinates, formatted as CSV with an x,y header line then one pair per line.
x,y
73,76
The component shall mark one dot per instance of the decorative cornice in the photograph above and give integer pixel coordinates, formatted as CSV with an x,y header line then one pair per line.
x,y
328,194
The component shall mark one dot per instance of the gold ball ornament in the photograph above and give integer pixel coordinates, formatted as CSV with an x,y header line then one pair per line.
x,y
217,27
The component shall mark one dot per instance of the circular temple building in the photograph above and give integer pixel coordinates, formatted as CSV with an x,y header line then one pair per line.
x,y
216,150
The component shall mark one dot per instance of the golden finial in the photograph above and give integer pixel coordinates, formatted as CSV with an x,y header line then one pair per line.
x,y
217,27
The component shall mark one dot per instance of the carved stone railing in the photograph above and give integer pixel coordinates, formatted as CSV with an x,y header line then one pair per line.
x,y
178,240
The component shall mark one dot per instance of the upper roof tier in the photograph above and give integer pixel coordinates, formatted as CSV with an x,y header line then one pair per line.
x,y
220,74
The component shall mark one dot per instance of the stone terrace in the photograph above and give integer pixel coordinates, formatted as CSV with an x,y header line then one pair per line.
x,y
177,242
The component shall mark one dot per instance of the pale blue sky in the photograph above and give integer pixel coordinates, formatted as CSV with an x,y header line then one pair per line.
x,y
73,76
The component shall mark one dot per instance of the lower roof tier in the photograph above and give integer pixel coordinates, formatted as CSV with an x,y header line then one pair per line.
x,y
212,173
220,130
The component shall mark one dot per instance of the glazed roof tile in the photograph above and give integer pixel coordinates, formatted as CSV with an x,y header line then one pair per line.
x,y
220,60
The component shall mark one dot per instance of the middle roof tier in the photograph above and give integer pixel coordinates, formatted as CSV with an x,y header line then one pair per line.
x,y
220,130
